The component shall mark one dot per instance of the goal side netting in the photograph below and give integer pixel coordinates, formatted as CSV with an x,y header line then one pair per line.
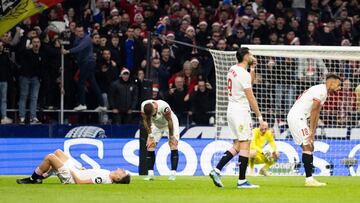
x,y
282,74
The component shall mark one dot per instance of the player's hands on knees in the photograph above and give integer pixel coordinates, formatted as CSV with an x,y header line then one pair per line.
x,y
150,142
276,155
310,139
173,142
267,155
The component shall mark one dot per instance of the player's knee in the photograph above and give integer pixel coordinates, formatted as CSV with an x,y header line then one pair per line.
x,y
50,157
173,146
252,154
151,147
277,156
58,152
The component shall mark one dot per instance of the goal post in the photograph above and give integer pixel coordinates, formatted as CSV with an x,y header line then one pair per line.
x,y
282,74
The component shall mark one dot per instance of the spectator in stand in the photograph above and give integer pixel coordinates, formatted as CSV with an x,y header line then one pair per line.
x,y
339,108
96,41
311,35
178,99
166,69
155,92
97,7
174,48
239,38
31,64
258,29
216,36
106,73
345,115
123,98
196,67
144,87
273,38
221,45
202,34
5,75
327,36
201,103
132,53
189,38
292,39
103,43
189,76
311,72
281,27
115,50
50,88
83,50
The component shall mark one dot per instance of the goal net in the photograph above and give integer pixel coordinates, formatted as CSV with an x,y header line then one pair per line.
x,y
282,74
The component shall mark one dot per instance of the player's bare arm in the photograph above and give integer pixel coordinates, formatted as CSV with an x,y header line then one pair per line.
x,y
170,124
252,69
147,123
78,180
253,103
314,117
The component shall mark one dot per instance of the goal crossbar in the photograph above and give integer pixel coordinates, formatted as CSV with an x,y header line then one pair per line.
x,y
322,52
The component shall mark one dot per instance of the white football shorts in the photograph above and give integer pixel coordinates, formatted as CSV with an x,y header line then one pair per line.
x,y
63,173
164,131
298,127
240,123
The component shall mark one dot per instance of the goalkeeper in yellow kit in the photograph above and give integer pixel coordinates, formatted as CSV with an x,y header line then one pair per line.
x,y
261,136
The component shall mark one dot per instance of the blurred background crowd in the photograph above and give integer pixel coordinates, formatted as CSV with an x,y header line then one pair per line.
x,y
136,57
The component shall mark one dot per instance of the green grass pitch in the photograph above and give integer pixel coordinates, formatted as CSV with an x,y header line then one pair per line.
x,y
184,190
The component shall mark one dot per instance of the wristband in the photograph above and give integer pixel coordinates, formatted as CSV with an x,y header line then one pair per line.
x,y
150,135
260,118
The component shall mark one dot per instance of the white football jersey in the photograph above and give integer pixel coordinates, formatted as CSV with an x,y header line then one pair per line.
x,y
238,79
97,176
163,109
304,103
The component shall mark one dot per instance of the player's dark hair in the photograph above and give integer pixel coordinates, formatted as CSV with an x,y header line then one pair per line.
x,y
332,76
240,53
148,109
125,180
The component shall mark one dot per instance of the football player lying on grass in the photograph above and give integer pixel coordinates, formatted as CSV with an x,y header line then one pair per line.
x,y
59,163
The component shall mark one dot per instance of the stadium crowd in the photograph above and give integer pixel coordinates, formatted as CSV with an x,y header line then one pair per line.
x,y
184,76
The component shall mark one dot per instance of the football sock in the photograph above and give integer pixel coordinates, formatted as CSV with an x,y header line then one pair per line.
x,y
227,156
307,159
251,163
150,160
243,163
37,174
174,159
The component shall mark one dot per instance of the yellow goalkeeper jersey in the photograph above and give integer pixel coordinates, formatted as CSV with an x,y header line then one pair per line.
x,y
258,141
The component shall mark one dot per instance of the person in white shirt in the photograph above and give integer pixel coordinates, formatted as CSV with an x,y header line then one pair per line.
x,y
307,107
59,163
241,98
160,120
